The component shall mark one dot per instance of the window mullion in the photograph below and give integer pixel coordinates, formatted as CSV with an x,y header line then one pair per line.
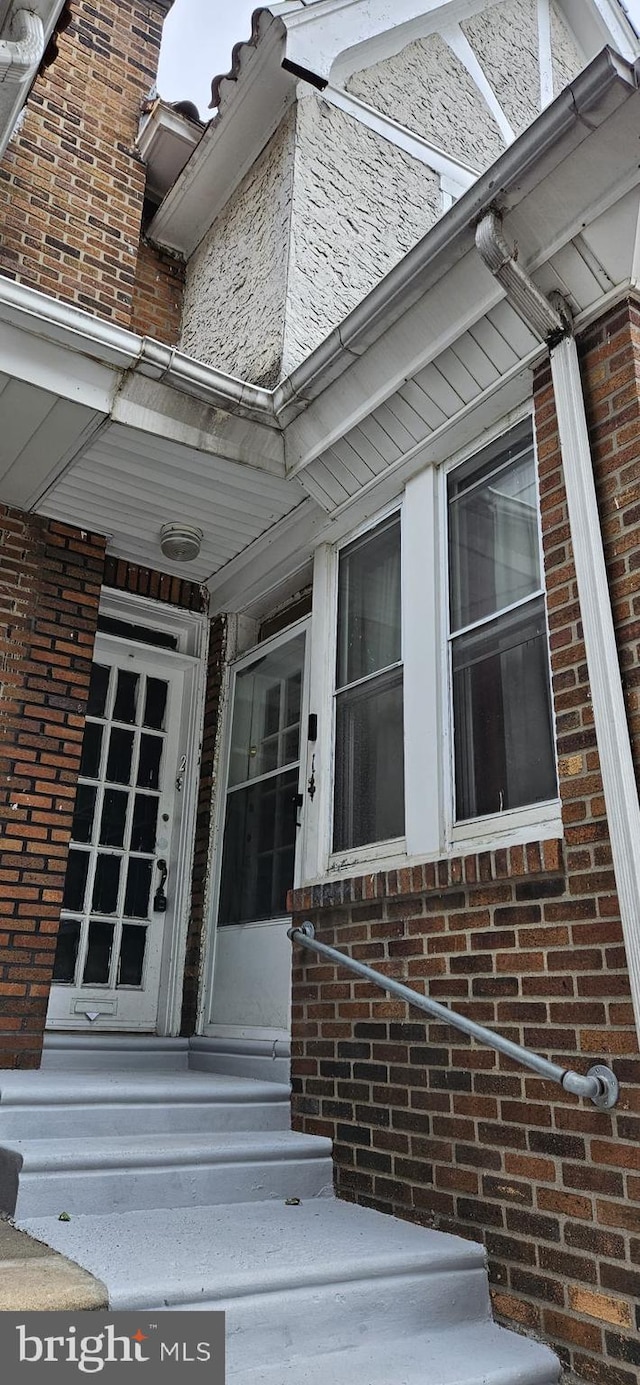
x,y
421,642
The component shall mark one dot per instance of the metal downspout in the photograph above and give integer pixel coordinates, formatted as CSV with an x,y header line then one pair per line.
x,y
610,718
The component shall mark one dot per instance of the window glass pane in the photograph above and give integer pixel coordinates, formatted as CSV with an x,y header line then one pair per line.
x,y
258,850
98,689
149,763
91,748
124,707
136,903
132,949
119,758
504,754
64,967
98,963
83,813
265,734
76,880
155,704
369,794
369,604
114,816
145,818
494,557
105,884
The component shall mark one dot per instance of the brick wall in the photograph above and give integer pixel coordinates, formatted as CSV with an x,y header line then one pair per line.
x,y
72,184
201,861
50,578
157,294
528,941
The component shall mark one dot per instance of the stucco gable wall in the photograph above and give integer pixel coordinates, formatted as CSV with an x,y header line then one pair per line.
x,y
567,60
235,290
359,204
504,38
427,88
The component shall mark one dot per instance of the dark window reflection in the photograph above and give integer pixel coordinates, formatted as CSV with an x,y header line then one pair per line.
x,y
145,818
98,688
126,696
105,885
91,748
136,904
83,813
114,817
155,704
120,753
76,880
258,850
149,766
64,967
98,963
132,949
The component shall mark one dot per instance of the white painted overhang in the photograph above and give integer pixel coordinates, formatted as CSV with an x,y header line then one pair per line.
x,y
166,140
121,434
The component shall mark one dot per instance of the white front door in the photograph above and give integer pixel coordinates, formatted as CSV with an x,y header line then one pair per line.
x,y
120,901
250,995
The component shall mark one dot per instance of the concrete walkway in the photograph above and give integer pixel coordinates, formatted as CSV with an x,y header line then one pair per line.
x,y
35,1277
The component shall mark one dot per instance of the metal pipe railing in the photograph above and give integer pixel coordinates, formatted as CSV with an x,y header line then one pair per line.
x,y
600,1084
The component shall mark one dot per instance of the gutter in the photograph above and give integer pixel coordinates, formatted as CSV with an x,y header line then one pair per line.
x,y
607,696
409,279
63,324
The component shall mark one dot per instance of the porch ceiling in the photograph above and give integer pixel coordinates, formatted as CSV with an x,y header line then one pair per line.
x,y
128,483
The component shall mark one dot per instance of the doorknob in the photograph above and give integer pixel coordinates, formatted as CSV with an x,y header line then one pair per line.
x,y
160,898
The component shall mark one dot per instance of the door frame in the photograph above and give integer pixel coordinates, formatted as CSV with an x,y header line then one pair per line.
x,y
234,666
192,633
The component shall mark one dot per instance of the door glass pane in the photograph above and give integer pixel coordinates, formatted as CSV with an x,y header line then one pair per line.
x,y
98,689
369,604
76,880
369,795
494,542
265,733
98,963
64,967
106,883
136,904
155,705
149,764
132,949
83,813
119,758
145,819
258,849
91,750
114,817
126,702
502,715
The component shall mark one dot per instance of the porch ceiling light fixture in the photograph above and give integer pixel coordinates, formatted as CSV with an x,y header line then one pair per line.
x,y
180,542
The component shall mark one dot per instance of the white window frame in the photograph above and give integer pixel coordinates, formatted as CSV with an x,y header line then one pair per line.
x,y
431,831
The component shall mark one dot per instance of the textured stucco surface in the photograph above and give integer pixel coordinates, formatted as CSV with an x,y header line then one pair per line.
x,y
428,89
236,280
504,38
359,204
567,60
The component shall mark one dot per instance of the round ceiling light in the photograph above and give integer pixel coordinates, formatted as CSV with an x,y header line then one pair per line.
x,y
180,542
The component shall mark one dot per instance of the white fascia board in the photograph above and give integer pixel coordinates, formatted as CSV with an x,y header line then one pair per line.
x,y
268,562
458,174
14,95
166,140
251,110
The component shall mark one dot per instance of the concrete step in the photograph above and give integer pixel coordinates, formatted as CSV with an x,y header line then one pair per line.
x,y
124,1173
316,1292
134,1052
51,1104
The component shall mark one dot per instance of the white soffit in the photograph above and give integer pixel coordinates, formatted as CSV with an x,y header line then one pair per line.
x,y
41,432
166,141
128,484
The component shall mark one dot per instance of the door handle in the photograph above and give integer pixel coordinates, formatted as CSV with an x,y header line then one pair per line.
x,y
160,898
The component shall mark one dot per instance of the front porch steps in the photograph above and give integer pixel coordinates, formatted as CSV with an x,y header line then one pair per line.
x,y
198,1218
